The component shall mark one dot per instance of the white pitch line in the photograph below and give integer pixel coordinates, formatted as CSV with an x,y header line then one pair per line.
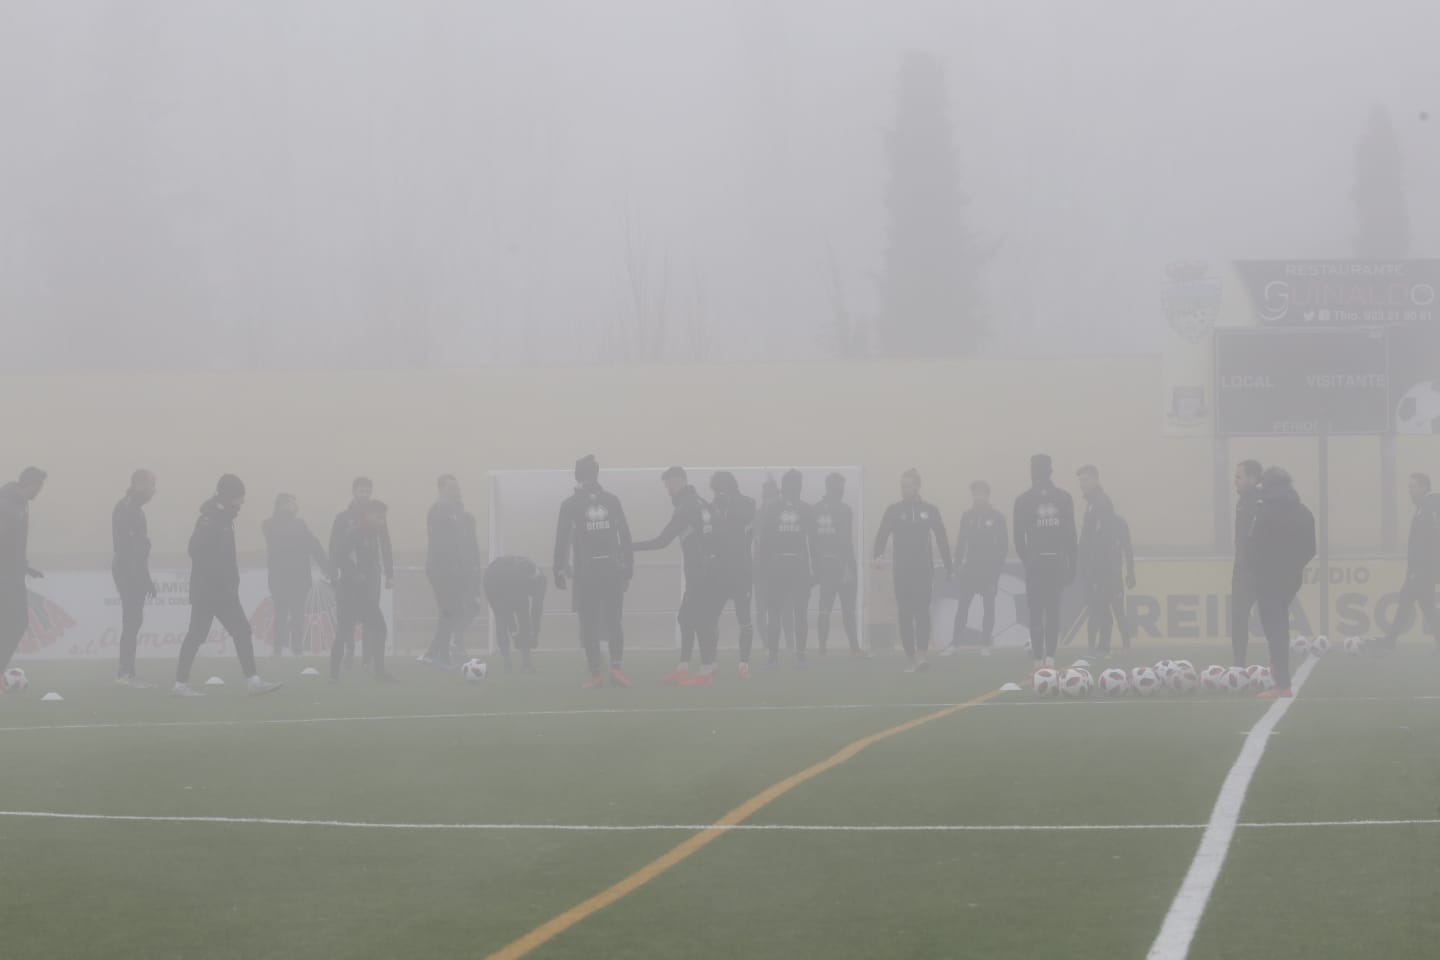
x,y
1183,919
691,828
638,711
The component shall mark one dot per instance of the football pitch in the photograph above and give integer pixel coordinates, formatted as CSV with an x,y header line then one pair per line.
x,y
859,812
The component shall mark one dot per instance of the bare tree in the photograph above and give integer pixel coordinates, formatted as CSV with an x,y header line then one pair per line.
x,y
640,328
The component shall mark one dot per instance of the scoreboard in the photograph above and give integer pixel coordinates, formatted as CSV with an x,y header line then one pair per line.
x,y
1272,381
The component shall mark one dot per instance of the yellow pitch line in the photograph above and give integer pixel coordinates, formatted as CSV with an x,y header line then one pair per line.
x,y
694,844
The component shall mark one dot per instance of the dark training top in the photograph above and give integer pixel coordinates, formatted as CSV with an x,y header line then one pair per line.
x,y
131,536
913,523
592,533
694,523
1045,527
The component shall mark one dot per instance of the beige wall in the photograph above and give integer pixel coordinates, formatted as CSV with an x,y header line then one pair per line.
x,y
310,433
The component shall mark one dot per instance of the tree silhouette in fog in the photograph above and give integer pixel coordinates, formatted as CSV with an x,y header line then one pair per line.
x,y
929,297
1382,223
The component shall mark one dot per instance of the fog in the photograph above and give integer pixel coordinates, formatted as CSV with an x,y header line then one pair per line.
x,y
348,183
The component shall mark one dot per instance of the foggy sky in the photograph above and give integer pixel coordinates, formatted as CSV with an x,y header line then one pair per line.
x,y
299,179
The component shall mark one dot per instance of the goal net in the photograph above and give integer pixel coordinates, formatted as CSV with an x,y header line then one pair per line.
x,y
524,506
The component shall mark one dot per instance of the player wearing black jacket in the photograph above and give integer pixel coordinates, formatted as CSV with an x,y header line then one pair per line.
x,y
1045,541
290,550
835,563
1281,543
452,565
356,558
1422,565
981,547
1103,550
215,588
361,491
515,590
694,524
592,545
785,552
14,563
735,534
130,535
1242,588
914,523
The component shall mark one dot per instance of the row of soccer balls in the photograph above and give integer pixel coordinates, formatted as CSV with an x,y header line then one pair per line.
x,y
1177,676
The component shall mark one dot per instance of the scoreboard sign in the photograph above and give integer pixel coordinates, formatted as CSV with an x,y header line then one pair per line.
x,y
1277,381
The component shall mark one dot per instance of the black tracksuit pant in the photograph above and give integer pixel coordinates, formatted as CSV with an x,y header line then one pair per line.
x,y
1044,586
1274,607
1104,606
132,618
600,606
833,587
736,590
359,605
699,617
1242,601
204,611
453,596
969,590
787,593
289,607
914,591
1418,591
14,619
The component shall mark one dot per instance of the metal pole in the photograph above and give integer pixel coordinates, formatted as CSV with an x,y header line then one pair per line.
x,y
1322,522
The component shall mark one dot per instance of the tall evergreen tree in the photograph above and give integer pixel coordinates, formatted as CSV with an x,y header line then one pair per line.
x,y
1382,223
930,303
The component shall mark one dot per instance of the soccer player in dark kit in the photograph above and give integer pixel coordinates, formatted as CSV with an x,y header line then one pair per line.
x,y
981,547
452,565
735,533
130,535
836,566
515,590
592,545
1047,545
1422,565
785,551
15,567
215,589
694,524
290,550
358,562
361,491
914,524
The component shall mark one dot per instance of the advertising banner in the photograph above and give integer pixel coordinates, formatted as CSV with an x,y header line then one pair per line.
x,y
76,615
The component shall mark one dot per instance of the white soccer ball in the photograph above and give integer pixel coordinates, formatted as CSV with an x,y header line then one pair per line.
x,y
1114,682
1261,678
1145,682
475,670
16,680
1213,679
1185,665
1164,669
1356,646
1046,682
1419,410
1075,683
1320,646
1237,680
1300,648
1183,681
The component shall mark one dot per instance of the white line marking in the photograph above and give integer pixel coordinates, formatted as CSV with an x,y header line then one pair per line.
x,y
636,711
690,827
1183,919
